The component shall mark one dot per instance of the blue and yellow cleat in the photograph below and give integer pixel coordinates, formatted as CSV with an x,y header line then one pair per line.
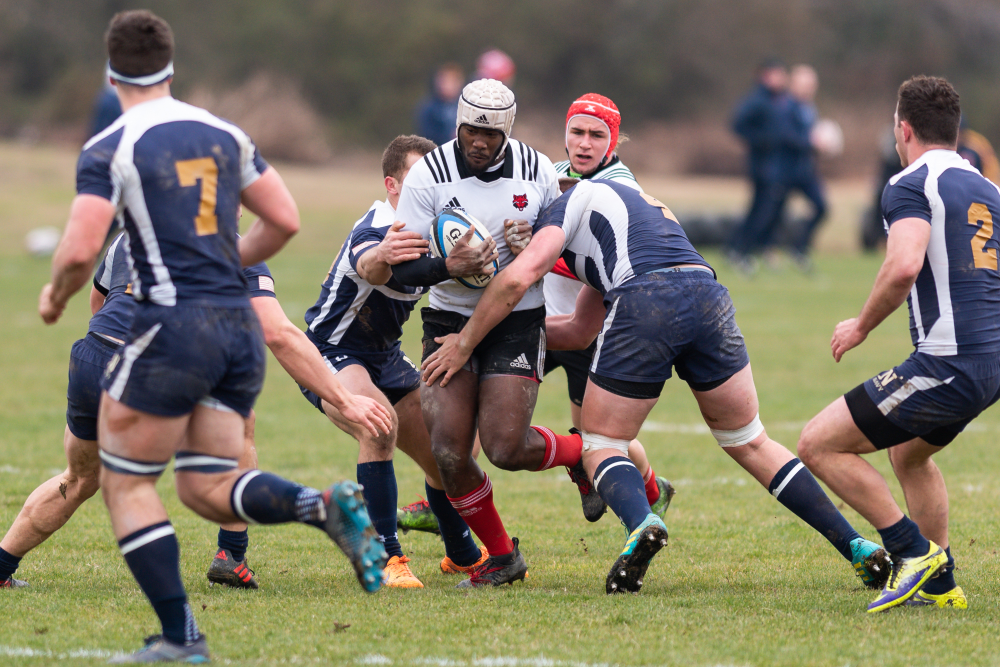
x,y
908,577
953,599
640,548
871,563
348,524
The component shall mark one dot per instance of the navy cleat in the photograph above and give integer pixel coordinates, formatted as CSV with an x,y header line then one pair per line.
x,y
348,524
159,649
640,548
491,573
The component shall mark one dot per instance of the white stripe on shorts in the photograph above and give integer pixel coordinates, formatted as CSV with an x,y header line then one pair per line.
x,y
129,356
604,330
915,384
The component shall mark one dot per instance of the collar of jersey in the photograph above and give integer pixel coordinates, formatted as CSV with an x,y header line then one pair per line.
x,y
488,177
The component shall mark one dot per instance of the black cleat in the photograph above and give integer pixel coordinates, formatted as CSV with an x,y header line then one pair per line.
x,y
12,583
494,574
227,571
640,548
593,505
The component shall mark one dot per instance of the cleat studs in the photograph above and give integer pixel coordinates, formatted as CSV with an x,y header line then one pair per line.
x,y
369,578
621,573
614,586
663,542
638,583
367,563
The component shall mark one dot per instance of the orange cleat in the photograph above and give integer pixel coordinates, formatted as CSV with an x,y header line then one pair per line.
x,y
398,574
449,567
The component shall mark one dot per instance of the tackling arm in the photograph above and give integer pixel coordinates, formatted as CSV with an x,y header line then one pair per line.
x,y
299,357
577,330
904,258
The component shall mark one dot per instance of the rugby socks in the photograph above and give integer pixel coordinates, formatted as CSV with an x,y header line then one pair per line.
x,y
8,564
478,511
944,581
378,482
619,483
153,557
796,489
458,542
234,541
652,489
903,539
559,450
265,498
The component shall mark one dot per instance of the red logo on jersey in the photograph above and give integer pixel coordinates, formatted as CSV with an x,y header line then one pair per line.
x,y
521,201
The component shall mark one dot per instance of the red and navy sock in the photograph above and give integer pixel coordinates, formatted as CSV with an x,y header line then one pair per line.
x,y
796,489
652,489
559,450
378,480
478,511
8,564
903,539
944,581
234,541
265,498
153,557
458,542
619,483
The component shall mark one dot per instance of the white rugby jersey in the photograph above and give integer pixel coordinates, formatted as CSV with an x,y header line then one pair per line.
x,y
561,292
527,183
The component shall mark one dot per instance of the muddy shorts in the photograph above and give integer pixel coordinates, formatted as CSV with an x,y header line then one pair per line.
x,y
88,359
179,356
391,371
683,320
928,396
515,347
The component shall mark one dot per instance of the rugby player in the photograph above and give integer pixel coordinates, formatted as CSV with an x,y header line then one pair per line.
x,y
193,362
661,307
941,258
356,325
494,178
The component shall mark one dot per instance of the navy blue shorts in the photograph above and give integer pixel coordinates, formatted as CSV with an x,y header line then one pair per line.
x,y
391,372
179,356
88,359
927,396
685,320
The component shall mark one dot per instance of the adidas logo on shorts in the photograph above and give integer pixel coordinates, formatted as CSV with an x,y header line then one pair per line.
x,y
521,362
482,119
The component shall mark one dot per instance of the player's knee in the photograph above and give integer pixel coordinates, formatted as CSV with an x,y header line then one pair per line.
x,y
809,447
449,459
381,446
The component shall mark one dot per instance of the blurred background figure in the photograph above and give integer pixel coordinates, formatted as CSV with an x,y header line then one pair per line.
x,y
107,108
809,139
437,112
765,121
495,64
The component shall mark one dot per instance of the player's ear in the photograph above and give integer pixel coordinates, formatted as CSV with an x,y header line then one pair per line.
x,y
391,185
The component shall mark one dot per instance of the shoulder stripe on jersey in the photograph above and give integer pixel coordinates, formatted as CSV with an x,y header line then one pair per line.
x,y
534,171
524,168
444,161
438,165
430,165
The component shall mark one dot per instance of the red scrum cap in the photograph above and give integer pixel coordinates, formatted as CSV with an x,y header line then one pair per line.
x,y
601,108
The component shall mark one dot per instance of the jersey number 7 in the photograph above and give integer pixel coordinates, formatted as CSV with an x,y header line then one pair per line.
x,y
982,257
189,172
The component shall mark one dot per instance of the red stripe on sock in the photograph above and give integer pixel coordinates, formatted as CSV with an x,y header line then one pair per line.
x,y
559,450
652,489
478,511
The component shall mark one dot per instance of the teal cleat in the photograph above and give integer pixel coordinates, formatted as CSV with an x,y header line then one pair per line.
x,y
158,649
348,525
871,563
908,577
417,516
640,548
667,492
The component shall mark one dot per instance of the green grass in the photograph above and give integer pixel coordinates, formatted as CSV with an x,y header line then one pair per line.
x,y
742,581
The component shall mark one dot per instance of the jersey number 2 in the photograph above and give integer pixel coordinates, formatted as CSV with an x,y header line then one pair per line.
x,y
982,257
189,172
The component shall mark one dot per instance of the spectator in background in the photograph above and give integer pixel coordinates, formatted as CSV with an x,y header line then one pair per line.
x,y
765,120
437,112
495,64
107,108
979,152
805,177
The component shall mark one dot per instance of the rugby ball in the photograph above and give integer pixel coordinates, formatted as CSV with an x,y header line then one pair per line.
x,y
447,230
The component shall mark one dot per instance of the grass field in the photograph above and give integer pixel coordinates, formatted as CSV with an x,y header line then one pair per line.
x,y
741,582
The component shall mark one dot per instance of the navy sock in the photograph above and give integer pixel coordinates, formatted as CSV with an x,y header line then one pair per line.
x,y
903,539
944,581
796,488
379,482
459,544
234,541
620,484
265,498
153,557
8,564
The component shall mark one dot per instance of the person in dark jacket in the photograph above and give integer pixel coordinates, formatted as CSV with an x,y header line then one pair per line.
x,y
436,113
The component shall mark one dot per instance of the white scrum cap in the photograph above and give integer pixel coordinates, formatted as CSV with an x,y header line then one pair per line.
x,y
487,103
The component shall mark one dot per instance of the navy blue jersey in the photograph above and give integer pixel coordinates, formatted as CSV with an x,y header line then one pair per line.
x,y
351,312
615,233
113,280
175,173
955,302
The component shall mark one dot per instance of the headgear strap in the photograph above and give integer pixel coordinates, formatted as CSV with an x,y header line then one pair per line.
x,y
144,80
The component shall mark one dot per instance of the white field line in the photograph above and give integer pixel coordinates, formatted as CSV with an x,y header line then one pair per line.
x,y
497,661
701,428
7,650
